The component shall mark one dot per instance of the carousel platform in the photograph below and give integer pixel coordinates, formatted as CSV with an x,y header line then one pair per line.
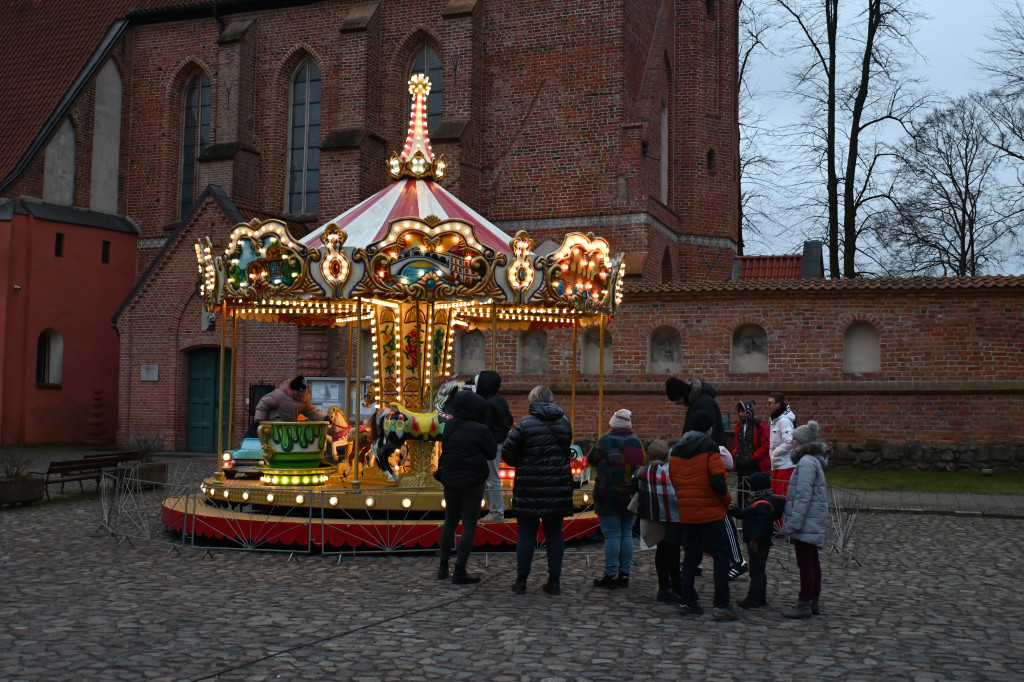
x,y
370,514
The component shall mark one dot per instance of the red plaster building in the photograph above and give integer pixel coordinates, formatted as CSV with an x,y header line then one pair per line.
x,y
618,118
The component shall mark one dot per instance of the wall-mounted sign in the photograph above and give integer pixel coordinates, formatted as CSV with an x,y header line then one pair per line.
x,y
150,373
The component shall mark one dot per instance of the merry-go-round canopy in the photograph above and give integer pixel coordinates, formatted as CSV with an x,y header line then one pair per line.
x,y
413,241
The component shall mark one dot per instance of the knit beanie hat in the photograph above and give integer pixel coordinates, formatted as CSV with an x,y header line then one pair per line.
x,y
759,481
808,433
702,421
623,419
298,383
675,389
658,449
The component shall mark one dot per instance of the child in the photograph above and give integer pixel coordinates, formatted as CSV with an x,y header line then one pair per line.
x,y
807,514
758,519
655,504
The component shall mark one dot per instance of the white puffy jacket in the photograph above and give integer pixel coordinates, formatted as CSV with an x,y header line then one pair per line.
x,y
782,440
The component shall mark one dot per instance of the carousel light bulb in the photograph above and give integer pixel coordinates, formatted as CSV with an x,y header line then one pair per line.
x,y
270,497
299,499
586,497
406,502
369,502
444,503
333,501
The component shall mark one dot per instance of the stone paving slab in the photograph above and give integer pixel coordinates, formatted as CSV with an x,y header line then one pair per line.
x,y
934,597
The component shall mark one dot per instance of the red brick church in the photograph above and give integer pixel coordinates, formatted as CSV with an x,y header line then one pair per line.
x,y
135,127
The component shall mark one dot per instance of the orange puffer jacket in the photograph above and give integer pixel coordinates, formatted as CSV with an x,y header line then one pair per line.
x,y
699,479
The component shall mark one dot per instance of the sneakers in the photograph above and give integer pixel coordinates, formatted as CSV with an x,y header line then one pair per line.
x,y
748,603
726,613
737,570
622,580
493,518
606,581
691,609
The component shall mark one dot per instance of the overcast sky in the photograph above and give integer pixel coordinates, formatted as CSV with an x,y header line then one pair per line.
x,y
953,34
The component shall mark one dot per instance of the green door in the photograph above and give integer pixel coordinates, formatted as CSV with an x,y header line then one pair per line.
x,y
203,411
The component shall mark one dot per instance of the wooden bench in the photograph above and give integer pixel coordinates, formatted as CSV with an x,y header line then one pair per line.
x,y
89,468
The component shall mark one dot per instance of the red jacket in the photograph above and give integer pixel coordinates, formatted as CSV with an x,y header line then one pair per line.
x,y
762,439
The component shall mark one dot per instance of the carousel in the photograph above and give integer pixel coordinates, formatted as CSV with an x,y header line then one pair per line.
x,y
408,268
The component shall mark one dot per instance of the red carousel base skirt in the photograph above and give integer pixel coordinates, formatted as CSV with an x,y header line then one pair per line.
x,y
314,526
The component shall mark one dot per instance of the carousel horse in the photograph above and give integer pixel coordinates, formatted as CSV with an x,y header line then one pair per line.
x,y
400,424
339,432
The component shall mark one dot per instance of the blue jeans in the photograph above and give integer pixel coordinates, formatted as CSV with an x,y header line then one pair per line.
x,y
528,528
492,488
698,537
618,542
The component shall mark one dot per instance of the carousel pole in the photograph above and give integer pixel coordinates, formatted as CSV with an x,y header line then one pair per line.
x,y
220,388
494,335
600,383
234,356
348,379
572,403
359,366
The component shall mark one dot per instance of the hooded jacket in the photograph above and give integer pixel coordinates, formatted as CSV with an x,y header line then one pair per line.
x,y
466,443
538,448
761,461
499,418
759,516
807,499
704,400
699,479
782,438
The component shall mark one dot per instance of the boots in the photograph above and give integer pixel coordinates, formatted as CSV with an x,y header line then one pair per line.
x,y
520,586
442,569
666,595
552,586
606,581
815,610
622,579
460,577
802,609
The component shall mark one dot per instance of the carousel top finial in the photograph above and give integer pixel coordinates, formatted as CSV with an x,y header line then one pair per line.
x,y
417,159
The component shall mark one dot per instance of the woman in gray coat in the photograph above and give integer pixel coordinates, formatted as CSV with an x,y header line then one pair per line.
x,y
807,514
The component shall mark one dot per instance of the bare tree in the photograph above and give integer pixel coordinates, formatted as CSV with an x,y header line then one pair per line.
x,y
756,170
853,79
951,213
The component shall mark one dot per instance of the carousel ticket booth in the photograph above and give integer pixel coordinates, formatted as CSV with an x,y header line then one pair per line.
x,y
407,269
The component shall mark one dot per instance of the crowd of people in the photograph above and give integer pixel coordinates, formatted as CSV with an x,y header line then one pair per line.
x,y
679,492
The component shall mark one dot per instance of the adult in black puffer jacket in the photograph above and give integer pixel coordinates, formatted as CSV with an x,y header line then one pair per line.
x,y
538,448
466,445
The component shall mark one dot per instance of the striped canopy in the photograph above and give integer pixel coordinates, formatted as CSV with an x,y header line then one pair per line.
x,y
369,221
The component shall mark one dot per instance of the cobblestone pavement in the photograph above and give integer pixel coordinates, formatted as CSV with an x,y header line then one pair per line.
x,y
930,597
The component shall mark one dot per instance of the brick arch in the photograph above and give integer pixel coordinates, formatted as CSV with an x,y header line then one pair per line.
x,y
843,323
187,332
285,69
397,91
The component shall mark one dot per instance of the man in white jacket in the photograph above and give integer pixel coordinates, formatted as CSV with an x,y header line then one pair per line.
x,y
780,419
